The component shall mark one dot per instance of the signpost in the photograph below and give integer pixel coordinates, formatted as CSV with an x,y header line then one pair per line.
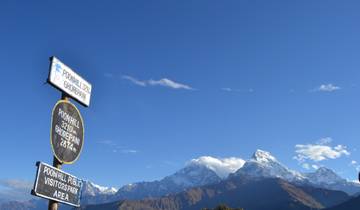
x,y
67,132
52,183
66,138
66,80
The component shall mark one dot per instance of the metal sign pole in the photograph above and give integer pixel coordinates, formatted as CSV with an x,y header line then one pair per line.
x,y
54,205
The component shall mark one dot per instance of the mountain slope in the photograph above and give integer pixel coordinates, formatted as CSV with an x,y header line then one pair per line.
x,y
254,194
326,178
352,204
190,176
264,165
207,171
34,204
201,171
93,193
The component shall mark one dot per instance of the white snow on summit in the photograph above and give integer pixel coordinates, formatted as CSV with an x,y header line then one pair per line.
x,y
263,156
93,189
221,166
324,176
263,164
105,190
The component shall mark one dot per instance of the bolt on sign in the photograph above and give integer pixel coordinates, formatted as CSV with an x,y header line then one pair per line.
x,y
67,132
52,183
65,79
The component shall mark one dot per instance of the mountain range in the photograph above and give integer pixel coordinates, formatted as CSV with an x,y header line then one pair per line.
x,y
207,181
262,182
244,192
261,164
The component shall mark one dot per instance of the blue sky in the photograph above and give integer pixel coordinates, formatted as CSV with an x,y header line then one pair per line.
x,y
175,80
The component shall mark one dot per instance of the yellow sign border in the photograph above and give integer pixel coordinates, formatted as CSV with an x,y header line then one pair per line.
x,y
82,121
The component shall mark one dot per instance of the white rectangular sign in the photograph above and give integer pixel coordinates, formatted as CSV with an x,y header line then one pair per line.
x,y
65,79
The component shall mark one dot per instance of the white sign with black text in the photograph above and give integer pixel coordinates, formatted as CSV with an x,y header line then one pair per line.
x,y
65,79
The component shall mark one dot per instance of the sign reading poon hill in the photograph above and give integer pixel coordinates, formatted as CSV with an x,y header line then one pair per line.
x,y
66,80
54,184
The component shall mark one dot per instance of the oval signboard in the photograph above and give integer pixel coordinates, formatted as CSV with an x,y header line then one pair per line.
x,y
67,132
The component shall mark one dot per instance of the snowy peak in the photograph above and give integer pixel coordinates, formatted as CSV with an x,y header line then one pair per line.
x,y
325,171
324,176
91,189
263,164
221,166
193,175
263,156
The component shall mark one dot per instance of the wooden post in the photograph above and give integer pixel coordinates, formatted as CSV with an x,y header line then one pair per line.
x,y
54,205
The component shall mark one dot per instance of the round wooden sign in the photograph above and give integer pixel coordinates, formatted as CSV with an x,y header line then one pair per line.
x,y
67,132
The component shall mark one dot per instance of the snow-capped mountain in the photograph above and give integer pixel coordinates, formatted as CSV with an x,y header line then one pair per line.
x,y
328,179
221,166
192,175
197,172
93,193
91,189
206,171
324,176
263,164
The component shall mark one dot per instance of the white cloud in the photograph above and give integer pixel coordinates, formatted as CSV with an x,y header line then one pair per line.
x,y
309,155
227,89
317,152
107,142
355,165
306,166
221,166
16,184
135,81
169,83
125,151
327,88
129,151
15,189
354,181
165,82
324,141
315,166
115,148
